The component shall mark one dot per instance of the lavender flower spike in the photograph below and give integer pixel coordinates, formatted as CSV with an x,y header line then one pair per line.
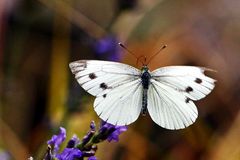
x,y
111,132
116,133
87,147
69,154
73,142
92,158
92,126
57,140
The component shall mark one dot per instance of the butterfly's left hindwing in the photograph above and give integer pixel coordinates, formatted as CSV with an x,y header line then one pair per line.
x,y
169,108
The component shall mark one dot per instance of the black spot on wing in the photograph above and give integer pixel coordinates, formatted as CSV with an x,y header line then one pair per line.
x,y
187,100
189,89
103,86
92,76
105,95
198,80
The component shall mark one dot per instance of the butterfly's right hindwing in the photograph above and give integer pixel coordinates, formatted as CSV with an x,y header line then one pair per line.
x,y
121,106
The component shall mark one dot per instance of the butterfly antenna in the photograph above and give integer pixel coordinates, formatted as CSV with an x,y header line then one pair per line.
x,y
130,52
139,59
154,55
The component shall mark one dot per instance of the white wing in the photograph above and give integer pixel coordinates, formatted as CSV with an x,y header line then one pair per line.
x,y
98,76
169,108
117,88
189,80
171,93
122,105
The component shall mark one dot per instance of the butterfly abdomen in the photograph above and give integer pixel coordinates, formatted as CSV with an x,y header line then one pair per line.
x,y
145,78
144,102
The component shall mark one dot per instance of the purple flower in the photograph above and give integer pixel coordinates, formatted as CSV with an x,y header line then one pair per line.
x,y
69,154
116,133
4,155
48,155
86,148
73,141
57,140
92,126
92,158
88,137
108,48
111,132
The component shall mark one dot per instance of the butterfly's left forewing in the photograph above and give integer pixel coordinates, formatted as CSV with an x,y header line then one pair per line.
x,y
189,80
117,88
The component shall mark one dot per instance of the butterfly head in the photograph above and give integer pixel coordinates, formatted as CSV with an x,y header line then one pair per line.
x,y
144,68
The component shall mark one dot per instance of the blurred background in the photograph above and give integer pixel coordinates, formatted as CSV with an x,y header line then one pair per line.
x,y
38,93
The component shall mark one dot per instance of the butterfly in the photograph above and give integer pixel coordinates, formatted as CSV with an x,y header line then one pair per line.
x,y
123,92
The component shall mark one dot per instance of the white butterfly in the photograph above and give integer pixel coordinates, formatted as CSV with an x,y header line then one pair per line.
x,y
123,92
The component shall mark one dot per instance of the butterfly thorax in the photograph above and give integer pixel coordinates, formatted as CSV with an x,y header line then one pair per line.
x,y
145,77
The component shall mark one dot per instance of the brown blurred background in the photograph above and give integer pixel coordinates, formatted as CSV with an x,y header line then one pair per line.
x,y
38,38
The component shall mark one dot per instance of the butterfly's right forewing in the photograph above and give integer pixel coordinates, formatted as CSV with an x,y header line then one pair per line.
x,y
99,77
117,88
